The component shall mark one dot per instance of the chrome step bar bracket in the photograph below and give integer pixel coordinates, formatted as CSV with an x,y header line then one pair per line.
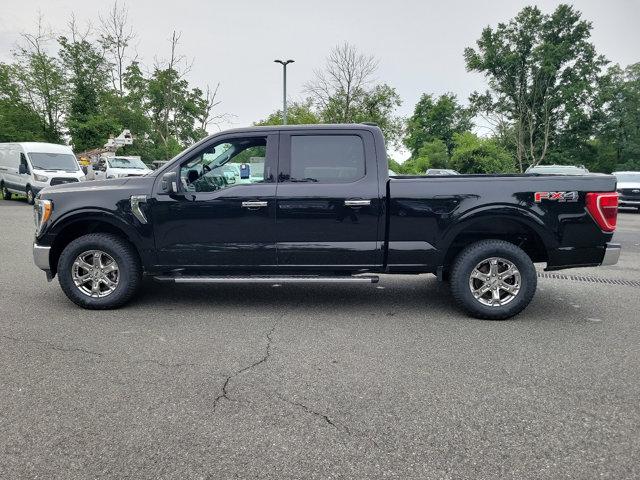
x,y
268,279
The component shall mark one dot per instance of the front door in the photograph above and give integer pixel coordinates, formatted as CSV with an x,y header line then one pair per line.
x,y
328,206
224,213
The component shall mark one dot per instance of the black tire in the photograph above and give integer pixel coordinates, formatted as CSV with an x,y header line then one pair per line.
x,y
6,194
473,255
124,254
31,198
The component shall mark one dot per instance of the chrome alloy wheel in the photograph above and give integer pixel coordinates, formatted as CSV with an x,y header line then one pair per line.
x,y
95,273
495,282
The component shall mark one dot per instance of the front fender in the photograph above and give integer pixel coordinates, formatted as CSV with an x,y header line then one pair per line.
x,y
140,236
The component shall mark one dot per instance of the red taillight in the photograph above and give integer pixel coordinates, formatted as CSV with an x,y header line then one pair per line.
x,y
603,207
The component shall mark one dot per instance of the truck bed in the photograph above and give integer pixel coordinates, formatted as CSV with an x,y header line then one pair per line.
x,y
448,205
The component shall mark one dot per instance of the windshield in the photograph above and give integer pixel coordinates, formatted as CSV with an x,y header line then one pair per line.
x,y
119,162
628,177
54,161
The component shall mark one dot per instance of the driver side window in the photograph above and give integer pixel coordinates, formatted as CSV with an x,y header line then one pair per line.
x,y
233,162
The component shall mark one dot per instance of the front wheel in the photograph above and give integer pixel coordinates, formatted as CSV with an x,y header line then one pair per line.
x,y
31,198
493,279
99,271
6,194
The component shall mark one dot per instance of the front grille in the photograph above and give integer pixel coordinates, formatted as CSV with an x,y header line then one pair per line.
x,y
61,180
630,193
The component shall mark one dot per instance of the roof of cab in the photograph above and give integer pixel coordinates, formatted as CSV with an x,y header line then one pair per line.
x,y
318,126
44,147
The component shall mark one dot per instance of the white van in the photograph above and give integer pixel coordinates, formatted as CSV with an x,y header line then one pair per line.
x,y
119,166
26,168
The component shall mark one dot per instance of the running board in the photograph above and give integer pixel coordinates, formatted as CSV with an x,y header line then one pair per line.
x,y
268,279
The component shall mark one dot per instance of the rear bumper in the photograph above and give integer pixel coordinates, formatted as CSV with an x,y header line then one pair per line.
x,y
611,254
41,257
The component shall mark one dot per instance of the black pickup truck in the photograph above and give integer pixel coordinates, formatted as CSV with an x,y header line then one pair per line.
x,y
316,204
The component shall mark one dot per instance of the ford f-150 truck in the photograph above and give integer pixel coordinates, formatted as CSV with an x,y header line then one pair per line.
x,y
316,204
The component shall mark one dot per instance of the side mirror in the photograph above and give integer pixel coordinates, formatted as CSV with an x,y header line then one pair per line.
x,y
23,169
169,183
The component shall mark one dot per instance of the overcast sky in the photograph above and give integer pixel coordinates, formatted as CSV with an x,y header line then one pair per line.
x,y
419,43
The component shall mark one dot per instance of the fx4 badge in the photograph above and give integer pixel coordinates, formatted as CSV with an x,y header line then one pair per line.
x,y
556,196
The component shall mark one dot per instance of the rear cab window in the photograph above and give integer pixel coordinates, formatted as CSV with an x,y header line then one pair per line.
x,y
327,158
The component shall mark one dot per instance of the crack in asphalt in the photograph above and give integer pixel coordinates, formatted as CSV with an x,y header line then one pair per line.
x,y
52,346
224,393
309,410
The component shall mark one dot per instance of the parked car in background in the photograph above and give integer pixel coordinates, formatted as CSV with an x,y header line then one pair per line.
x,y
26,168
629,189
118,167
558,170
441,171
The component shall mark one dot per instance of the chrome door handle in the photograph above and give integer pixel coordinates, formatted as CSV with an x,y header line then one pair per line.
x,y
357,203
254,204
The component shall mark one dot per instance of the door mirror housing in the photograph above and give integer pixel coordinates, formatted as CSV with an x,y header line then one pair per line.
x,y
23,169
169,183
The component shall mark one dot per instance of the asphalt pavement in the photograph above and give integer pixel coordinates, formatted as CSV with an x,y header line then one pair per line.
x,y
317,381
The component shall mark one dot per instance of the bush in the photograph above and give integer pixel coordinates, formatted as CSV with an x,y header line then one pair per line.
x,y
473,154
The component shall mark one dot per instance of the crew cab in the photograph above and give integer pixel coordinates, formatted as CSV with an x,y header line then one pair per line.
x,y
316,204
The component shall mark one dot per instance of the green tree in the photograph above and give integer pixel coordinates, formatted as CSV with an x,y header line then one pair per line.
x,y
86,71
543,74
473,154
41,81
436,119
343,92
432,154
619,137
298,113
18,121
378,105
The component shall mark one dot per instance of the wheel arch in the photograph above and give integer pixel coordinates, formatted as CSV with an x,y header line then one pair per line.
x,y
511,224
68,229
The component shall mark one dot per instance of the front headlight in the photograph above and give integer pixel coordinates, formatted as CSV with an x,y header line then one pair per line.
x,y
40,178
42,212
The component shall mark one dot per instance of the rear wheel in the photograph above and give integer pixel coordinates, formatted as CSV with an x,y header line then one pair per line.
x,y
6,194
99,271
30,196
493,279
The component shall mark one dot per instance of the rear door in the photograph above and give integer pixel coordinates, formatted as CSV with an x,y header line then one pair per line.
x,y
327,200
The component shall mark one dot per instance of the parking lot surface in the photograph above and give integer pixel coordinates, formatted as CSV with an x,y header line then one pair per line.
x,y
317,381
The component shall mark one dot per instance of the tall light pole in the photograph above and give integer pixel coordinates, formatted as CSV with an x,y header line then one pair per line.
x,y
284,64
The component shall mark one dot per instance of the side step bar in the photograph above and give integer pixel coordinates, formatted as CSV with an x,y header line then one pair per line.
x,y
268,279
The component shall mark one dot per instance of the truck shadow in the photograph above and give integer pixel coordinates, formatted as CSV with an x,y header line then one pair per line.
x,y
406,296
390,294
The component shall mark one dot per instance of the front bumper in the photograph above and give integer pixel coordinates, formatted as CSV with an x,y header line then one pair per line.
x,y
622,202
611,254
41,257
